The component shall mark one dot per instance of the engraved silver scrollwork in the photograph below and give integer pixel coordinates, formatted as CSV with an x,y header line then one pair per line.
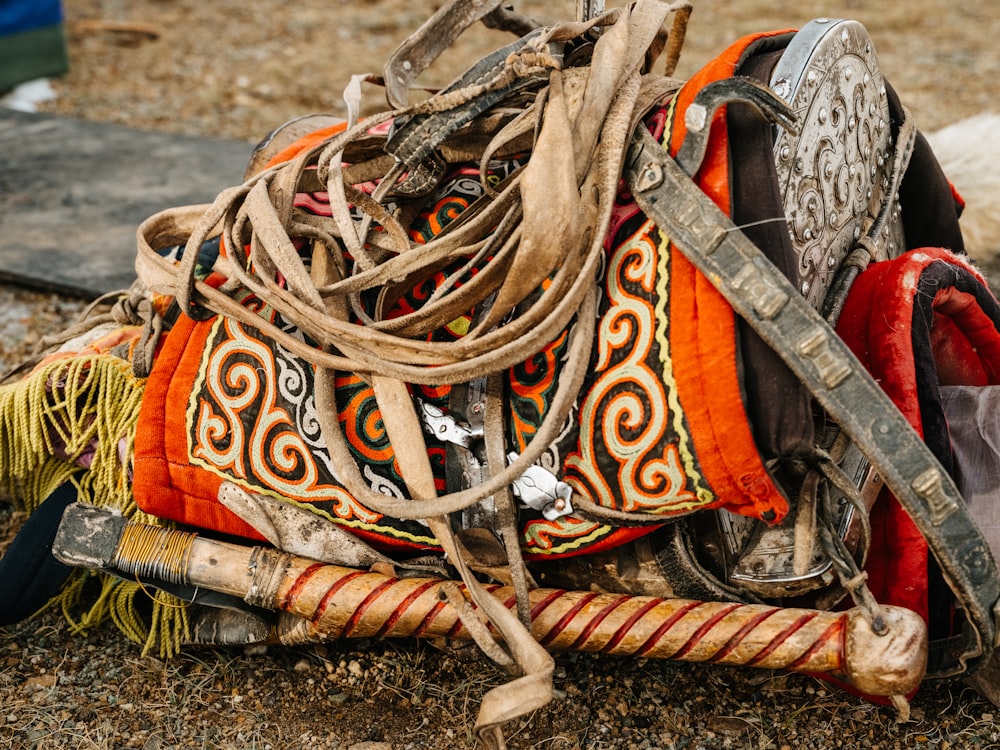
x,y
833,175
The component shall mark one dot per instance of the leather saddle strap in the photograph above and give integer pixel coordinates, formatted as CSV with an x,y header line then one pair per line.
x,y
533,687
760,294
422,47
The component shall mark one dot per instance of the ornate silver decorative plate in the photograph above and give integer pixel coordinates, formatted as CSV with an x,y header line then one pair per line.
x,y
833,175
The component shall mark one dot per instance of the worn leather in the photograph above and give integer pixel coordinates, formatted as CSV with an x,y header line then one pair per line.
x,y
763,297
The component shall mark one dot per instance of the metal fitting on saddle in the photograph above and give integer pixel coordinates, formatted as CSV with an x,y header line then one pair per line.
x,y
540,489
713,96
537,488
446,428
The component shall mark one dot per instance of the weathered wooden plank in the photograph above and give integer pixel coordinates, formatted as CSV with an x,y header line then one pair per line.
x,y
73,192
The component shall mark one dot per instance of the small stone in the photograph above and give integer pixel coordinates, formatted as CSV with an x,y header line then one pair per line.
x,y
41,681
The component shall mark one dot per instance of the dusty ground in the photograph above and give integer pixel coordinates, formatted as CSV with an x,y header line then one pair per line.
x,y
234,69
237,69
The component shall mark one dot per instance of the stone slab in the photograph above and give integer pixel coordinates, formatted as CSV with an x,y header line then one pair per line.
x,y
73,192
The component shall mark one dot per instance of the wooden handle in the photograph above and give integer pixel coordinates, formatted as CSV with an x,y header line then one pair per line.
x,y
338,602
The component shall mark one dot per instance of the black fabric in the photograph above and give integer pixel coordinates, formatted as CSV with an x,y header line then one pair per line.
x,y
29,574
778,404
930,212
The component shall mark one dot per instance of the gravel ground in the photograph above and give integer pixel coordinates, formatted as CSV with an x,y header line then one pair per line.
x,y
235,69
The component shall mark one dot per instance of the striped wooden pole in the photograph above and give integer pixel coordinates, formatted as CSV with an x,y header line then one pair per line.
x,y
337,602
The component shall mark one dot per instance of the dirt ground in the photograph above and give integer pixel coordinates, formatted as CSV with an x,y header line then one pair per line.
x,y
237,69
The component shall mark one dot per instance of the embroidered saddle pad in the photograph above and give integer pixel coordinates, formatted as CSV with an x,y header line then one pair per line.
x,y
683,407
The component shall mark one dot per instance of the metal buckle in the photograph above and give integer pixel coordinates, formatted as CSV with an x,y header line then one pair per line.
x,y
540,489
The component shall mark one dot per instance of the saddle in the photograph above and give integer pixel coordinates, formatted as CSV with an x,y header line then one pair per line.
x,y
569,322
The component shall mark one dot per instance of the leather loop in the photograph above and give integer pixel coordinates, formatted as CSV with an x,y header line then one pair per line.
x,y
423,46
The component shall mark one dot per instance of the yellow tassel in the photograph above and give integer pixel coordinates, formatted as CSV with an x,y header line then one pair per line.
x,y
50,423
121,608
51,420
170,626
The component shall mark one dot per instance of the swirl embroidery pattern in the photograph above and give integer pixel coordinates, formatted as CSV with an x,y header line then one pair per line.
x,y
254,421
628,457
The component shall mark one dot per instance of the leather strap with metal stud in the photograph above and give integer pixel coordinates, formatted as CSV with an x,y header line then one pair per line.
x,y
760,294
